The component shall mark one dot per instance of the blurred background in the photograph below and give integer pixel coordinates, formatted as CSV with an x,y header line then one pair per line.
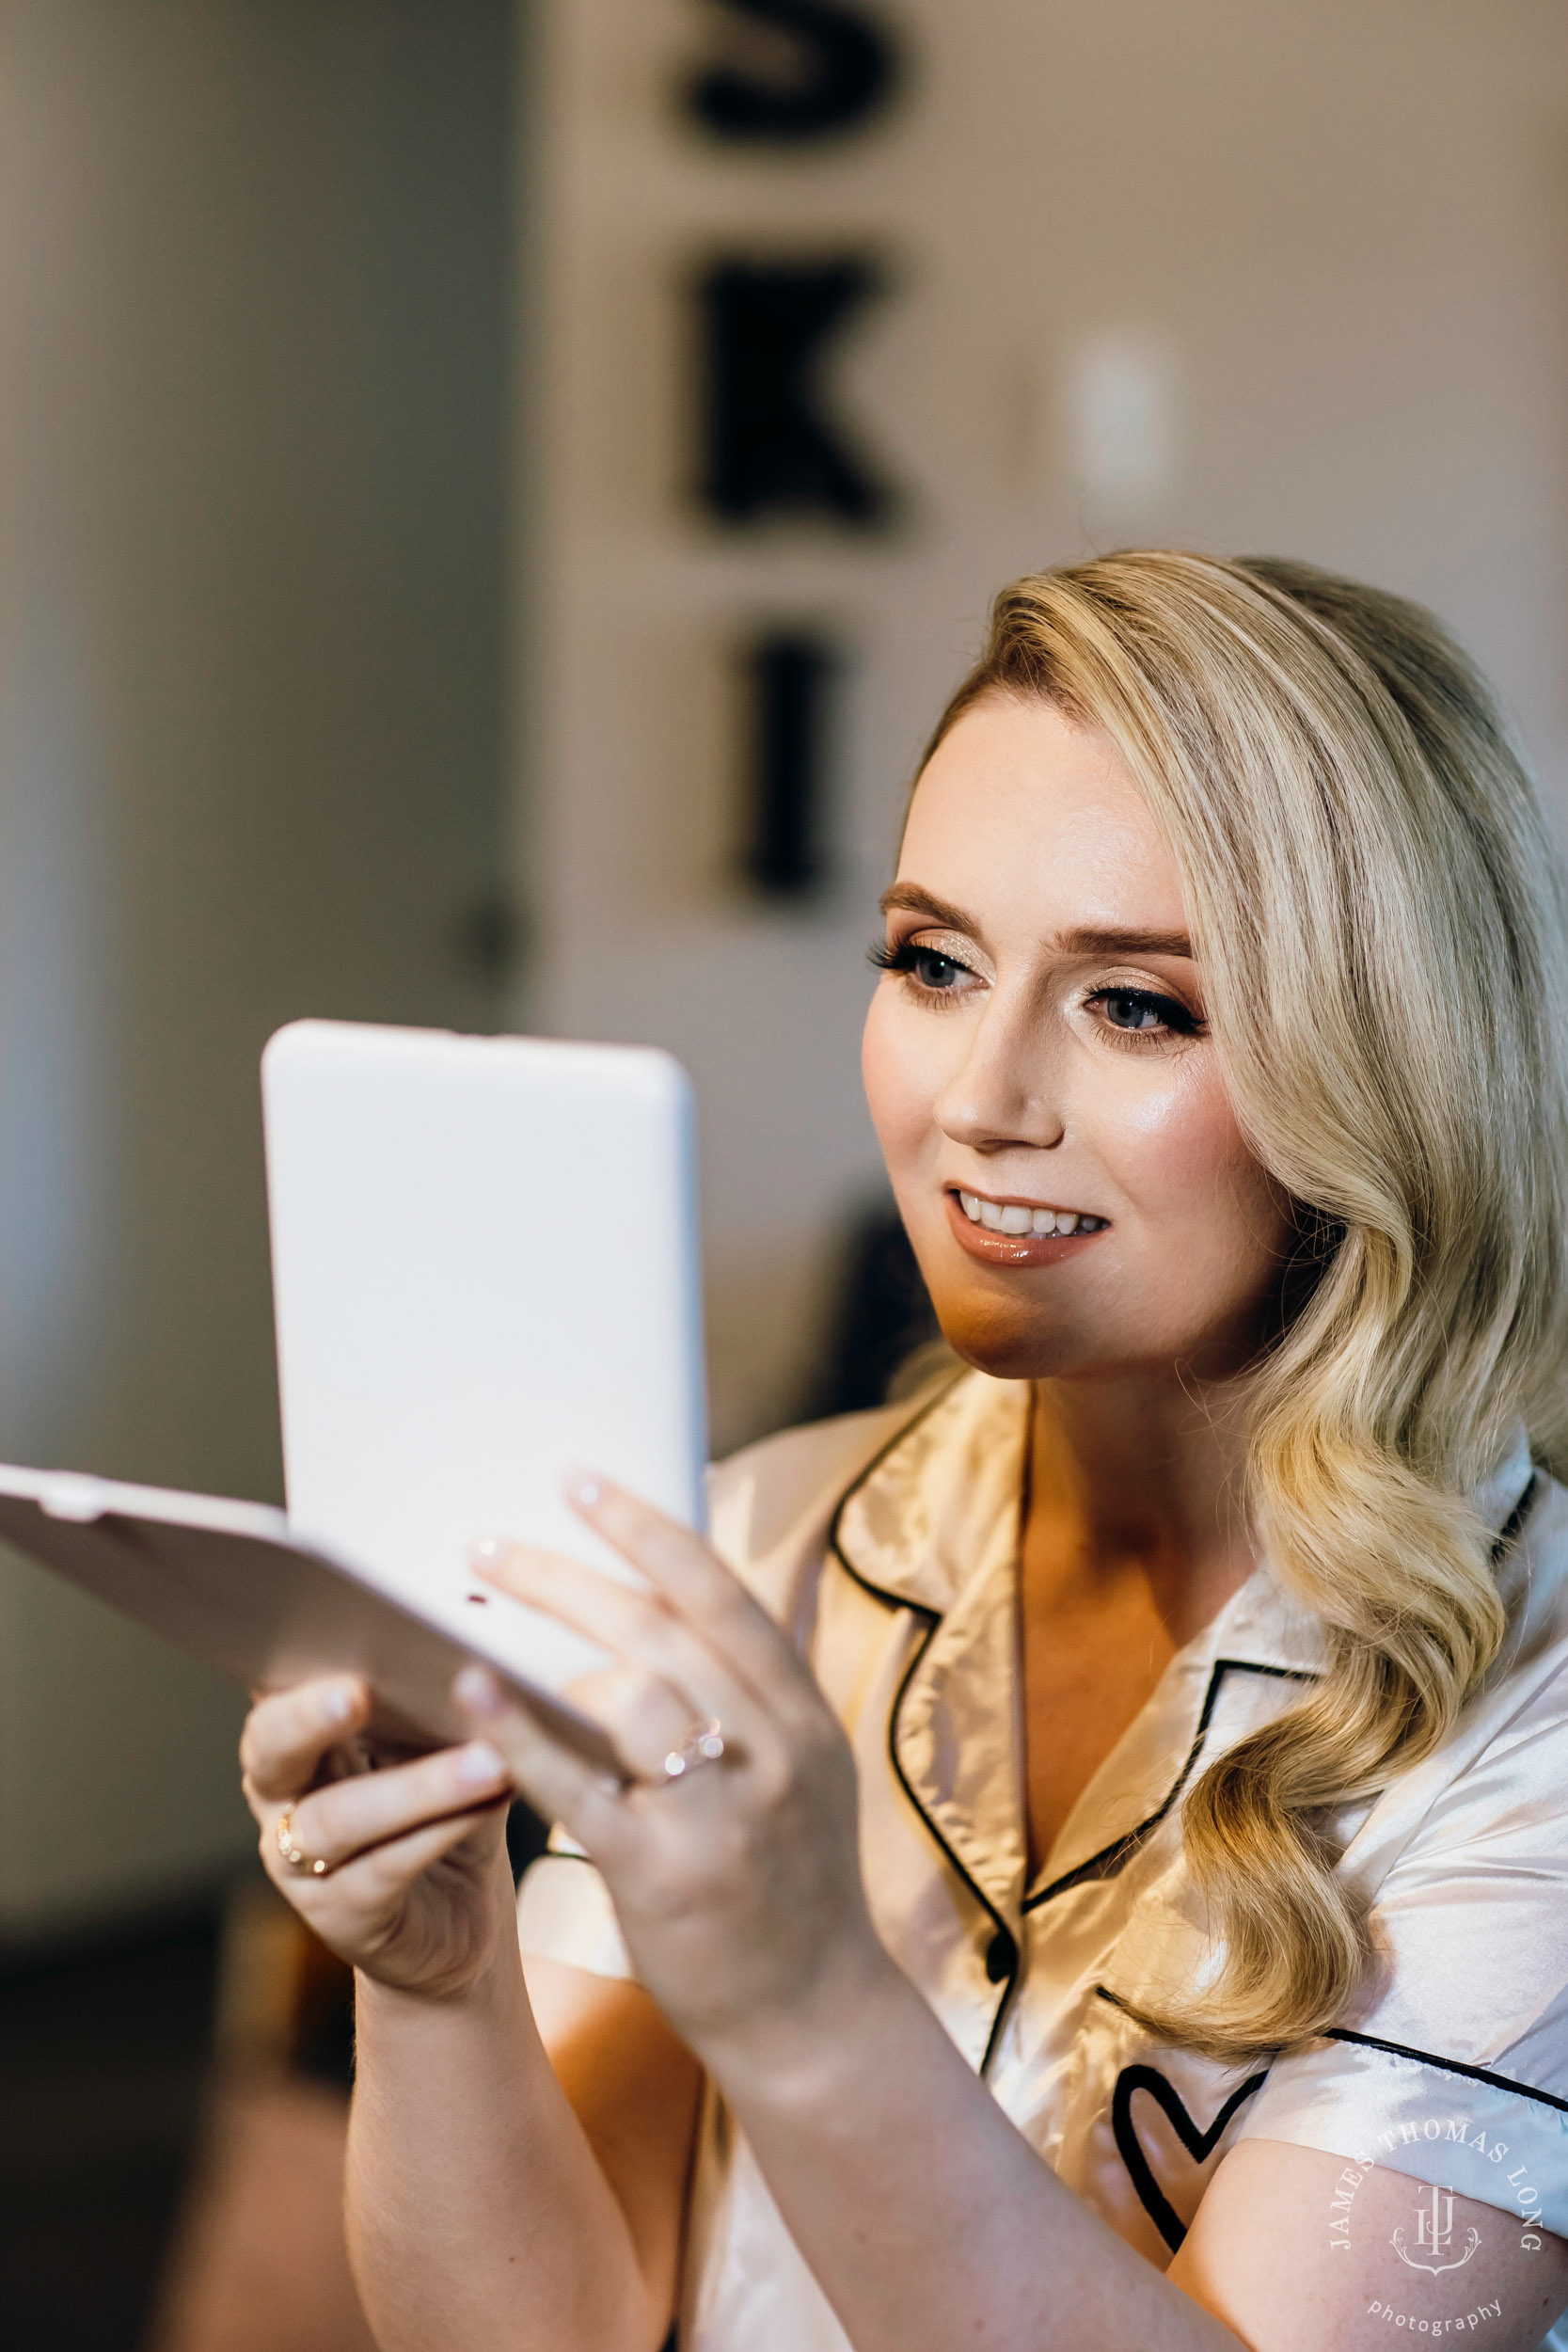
x,y
492,499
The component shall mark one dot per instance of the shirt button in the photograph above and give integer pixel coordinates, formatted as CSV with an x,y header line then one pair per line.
x,y
1001,1956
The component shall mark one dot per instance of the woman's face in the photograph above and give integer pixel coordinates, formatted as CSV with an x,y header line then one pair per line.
x,y
1037,1055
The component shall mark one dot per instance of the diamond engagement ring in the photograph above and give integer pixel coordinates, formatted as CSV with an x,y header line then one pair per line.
x,y
703,1744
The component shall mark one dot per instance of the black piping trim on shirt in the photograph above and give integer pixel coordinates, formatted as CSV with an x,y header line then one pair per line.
x,y
932,1619
1100,1865
1449,2066
1516,1520
868,1469
1120,1847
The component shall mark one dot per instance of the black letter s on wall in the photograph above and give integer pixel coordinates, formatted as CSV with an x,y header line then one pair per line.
x,y
837,67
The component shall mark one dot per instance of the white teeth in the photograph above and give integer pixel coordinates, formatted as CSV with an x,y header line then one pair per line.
x,y
1013,1218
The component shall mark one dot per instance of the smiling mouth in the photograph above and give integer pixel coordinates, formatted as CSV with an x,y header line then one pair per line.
x,y
1017,1220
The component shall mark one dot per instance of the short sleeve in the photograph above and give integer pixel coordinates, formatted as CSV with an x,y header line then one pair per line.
x,y
565,1912
1453,2068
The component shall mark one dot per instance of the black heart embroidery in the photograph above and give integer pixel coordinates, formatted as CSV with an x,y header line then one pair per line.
x,y
1197,2144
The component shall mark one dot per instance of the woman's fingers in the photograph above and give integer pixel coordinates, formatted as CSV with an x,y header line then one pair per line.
x,y
387,1871
646,1719
287,1736
695,1584
636,1627
349,1817
371,1886
556,1781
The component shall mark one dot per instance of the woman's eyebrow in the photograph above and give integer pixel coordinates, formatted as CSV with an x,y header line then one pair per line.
x,y
1089,939
909,898
1093,942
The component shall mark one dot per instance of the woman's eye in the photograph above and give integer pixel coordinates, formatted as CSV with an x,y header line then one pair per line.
x,y
1141,1010
933,970
1126,1012
927,966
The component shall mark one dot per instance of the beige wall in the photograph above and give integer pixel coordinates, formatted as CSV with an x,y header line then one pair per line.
x,y
1334,236
249,451
253,340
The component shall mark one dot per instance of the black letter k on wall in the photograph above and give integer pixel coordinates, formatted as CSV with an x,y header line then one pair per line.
x,y
770,452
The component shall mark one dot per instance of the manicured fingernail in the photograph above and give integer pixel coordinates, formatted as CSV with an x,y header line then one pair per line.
x,y
478,1763
340,1701
478,1692
488,1551
586,1488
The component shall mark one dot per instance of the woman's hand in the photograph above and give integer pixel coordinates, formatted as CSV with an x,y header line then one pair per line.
x,y
737,1884
416,1889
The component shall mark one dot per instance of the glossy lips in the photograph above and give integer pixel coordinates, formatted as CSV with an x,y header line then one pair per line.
x,y
1016,1232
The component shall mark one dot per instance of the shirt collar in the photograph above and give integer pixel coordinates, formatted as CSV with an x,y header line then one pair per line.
x,y
932,1525
943,1495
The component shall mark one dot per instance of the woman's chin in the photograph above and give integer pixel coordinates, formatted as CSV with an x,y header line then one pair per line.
x,y
999,1339
1010,1344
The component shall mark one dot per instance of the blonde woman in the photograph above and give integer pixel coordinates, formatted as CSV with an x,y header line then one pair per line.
x,y
1092,1869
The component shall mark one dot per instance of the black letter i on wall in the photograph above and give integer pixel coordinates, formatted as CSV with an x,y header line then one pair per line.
x,y
788,677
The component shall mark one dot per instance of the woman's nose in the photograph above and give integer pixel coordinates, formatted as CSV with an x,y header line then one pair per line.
x,y
1002,1092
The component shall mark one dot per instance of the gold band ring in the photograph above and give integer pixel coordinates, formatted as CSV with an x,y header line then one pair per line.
x,y
292,1850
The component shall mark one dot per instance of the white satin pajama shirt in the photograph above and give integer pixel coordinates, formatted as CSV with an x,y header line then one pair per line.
x,y
887,1543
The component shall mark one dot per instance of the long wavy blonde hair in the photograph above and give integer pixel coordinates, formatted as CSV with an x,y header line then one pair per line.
x,y
1376,905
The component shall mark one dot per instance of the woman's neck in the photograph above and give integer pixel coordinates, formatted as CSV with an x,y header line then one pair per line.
x,y
1142,1477
1133,1538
